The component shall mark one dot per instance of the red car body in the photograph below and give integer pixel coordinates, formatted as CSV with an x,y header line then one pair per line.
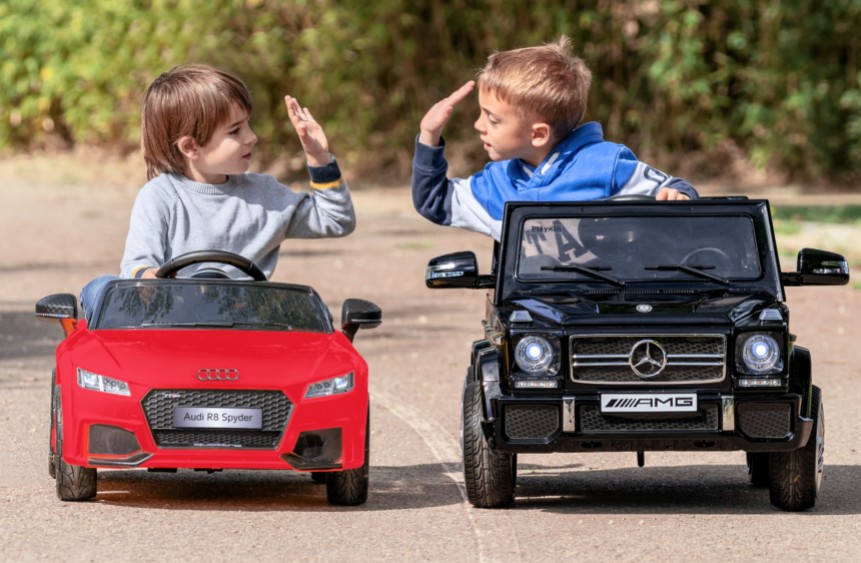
x,y
151,389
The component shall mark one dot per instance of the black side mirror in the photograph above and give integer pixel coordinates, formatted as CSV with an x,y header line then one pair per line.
x,y
58,306
358,313
459,269
818,267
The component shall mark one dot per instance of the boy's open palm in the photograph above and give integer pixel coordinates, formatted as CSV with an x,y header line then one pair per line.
x,y
311,134
438,115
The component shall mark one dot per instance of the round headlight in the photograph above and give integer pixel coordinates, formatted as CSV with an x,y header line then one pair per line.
x,y
534,355
761,354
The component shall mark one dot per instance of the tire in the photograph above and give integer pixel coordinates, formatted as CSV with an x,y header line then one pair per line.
x,y
52,455
350,487
74,483
797,475
489,475
758,469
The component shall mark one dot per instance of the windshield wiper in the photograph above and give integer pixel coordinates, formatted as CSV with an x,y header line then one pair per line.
x,y
696,270
594,271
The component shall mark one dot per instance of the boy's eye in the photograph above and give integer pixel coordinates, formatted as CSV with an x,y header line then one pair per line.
x,y
234,131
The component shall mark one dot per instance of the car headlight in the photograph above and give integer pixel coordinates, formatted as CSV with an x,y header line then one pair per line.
x,y
537,355
760,354
96,382
331,386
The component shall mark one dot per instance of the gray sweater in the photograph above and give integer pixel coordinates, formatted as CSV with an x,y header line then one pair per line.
x,y
250,215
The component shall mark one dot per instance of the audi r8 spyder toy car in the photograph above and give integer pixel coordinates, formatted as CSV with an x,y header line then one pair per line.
x,y
209,374
640,326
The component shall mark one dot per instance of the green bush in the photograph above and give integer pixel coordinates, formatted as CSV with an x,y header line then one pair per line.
x,y
778,80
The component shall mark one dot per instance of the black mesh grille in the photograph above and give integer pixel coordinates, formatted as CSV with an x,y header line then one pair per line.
x,y
765,420
159,404
591,420
533,422
605,359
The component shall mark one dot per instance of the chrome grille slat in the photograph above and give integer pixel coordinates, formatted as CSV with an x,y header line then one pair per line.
x,y
690,359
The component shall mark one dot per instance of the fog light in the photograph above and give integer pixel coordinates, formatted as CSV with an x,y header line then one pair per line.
x,y
760,382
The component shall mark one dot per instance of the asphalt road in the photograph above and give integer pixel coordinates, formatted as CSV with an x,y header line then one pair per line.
x,y
598,507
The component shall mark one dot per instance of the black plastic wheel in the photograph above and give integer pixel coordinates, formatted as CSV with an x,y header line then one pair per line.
x,y
489,475
757,468
797,475
350,487
74,483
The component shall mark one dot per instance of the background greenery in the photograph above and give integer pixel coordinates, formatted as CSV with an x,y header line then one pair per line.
x,y
694,86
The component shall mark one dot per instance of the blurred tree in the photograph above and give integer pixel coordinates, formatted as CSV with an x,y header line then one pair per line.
x,y
776,81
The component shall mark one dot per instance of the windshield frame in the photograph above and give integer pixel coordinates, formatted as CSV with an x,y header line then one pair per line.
x,y
511,284
322,320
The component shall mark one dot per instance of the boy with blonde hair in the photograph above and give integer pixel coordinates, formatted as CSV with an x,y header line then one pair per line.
x,y
532,103
197,143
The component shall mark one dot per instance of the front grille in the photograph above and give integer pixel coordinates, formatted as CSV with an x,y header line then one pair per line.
x,y
159,404
613,360
765,420
591,420
536,422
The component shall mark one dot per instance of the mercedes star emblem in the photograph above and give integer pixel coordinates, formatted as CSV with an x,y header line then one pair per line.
x,y
647,359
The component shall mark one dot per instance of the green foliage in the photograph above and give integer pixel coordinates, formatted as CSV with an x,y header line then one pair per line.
x,y
780,80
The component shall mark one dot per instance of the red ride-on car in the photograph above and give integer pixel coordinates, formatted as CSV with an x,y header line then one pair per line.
x,y
210,374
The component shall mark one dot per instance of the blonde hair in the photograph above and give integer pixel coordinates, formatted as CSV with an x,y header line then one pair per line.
x,y
548,82
188,100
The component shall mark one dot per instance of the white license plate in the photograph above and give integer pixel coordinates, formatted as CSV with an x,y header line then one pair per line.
x,y
648,402
203,417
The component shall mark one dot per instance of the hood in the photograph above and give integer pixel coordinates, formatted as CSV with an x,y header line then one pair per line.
x,y
172,358
646,308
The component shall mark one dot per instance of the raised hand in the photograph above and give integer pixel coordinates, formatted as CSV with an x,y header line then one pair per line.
x,y
311,134
439,114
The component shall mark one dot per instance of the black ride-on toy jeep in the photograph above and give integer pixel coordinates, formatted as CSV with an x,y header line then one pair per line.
x,y
640,326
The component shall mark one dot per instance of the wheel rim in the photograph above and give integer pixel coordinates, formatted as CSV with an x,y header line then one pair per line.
x,y
820,447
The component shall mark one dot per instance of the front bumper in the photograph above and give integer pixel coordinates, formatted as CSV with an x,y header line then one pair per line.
x,y
575,423
320,434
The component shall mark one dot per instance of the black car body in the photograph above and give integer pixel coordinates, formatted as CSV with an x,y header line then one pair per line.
x,y
640,326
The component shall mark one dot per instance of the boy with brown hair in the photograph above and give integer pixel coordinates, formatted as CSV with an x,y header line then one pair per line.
x,y
198,144
532,103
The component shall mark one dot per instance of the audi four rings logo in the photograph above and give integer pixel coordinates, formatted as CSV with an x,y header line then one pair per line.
x,y
647,359
204,374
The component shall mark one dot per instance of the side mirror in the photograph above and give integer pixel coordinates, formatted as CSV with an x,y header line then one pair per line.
x,y
818,267
358,313
459,269
57,306
60,306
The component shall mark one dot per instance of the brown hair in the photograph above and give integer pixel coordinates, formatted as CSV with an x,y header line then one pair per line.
x,y
188,100
548,82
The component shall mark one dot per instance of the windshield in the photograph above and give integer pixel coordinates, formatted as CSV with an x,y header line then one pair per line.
x,y
210,304
619,249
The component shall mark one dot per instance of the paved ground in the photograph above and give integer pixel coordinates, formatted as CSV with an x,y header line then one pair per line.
x,y
55,234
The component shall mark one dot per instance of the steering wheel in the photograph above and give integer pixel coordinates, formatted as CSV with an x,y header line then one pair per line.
x,y
709,254
244,264
630,197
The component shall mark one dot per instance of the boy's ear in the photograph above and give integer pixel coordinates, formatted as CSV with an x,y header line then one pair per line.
x,y
542,135
187,146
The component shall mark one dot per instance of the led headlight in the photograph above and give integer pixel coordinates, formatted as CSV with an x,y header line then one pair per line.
x,y
760,354
96,382
536,355
331,386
